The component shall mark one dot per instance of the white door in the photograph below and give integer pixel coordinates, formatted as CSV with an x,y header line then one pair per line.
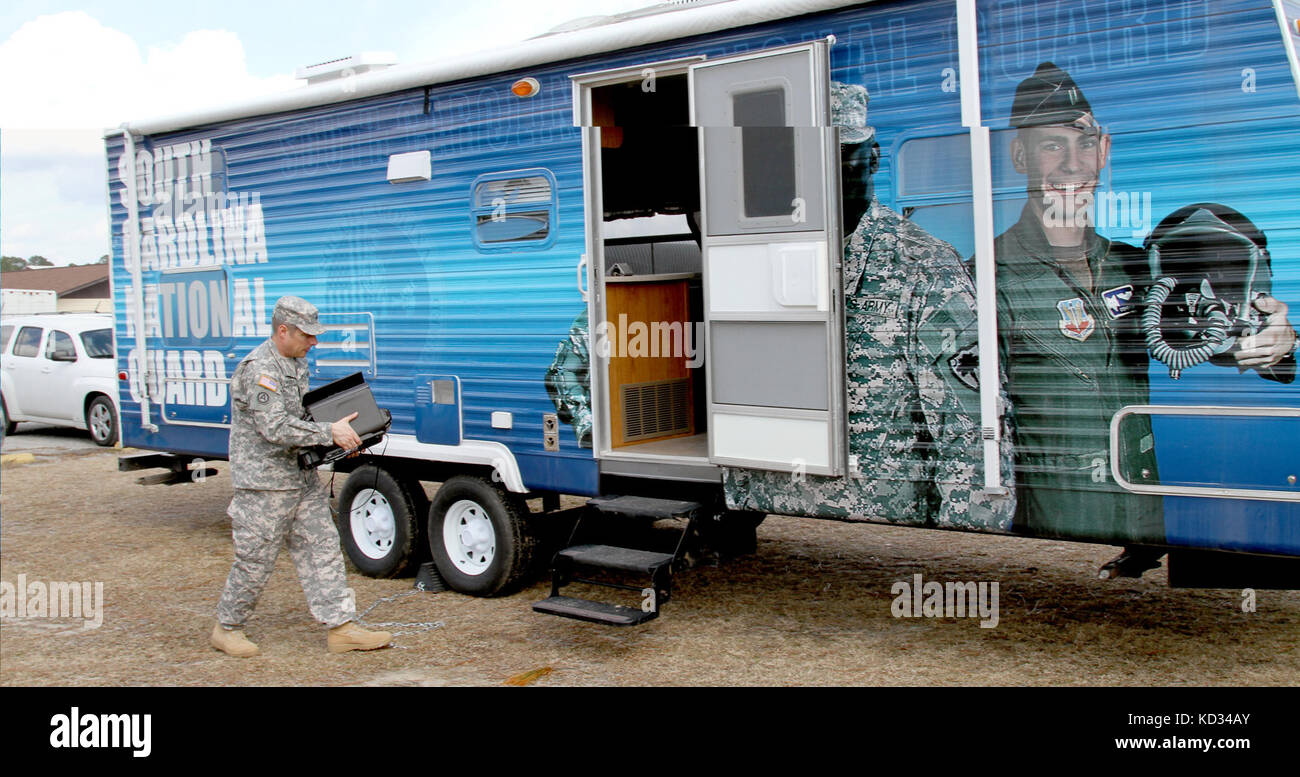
x,y
25,367
770,198
57,380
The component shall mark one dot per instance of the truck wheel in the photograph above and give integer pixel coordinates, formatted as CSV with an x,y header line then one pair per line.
x,y
5,424
379,521
480,537
101,420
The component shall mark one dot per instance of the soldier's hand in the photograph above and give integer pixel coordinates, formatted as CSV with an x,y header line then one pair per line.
x,y
344,435
1272,343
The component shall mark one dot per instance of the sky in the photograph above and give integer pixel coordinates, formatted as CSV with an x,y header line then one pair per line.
x,y
71,70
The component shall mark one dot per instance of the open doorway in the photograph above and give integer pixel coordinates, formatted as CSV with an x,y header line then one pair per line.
x,y
649,353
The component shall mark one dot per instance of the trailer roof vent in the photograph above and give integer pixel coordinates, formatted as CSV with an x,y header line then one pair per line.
x,y
345,67
667,6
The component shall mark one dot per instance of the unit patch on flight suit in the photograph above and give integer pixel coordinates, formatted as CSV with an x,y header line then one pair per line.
x,y
1076,323
1119,300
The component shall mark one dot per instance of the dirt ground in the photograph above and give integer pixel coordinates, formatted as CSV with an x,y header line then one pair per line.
x,y
811,607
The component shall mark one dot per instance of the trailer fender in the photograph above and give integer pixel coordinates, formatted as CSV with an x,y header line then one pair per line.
x,y
478,452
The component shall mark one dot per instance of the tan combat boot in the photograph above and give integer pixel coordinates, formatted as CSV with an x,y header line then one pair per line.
x,y
232,642
350,636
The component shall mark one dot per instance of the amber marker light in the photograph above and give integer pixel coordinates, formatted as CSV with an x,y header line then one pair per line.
x,y
525,87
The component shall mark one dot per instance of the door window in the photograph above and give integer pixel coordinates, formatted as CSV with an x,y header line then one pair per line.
x,y
60,347
29,341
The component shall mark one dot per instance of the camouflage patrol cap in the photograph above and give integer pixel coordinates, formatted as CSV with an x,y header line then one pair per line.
x,y
849,112
298,312
1050,97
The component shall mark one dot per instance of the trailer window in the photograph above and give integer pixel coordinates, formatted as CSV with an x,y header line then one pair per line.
x,y
29,341
767,151
932,186
513,209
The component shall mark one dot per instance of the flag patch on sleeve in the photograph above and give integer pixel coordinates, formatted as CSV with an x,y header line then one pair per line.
x,y
267,382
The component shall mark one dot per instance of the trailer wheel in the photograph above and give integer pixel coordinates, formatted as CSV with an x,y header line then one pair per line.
x,y
480,537
379,520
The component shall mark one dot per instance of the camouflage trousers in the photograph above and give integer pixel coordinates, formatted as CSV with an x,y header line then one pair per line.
x,y
261,522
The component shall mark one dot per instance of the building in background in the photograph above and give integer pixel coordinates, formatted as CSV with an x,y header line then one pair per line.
x,y
80,289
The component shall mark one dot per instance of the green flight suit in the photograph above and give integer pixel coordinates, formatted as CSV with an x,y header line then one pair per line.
x,y
1074,357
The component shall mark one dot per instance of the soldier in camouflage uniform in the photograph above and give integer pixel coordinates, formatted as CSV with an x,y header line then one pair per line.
x,y
274,498
913,388
568,381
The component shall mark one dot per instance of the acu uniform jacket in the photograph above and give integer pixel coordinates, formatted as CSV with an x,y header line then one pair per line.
x,y
267,423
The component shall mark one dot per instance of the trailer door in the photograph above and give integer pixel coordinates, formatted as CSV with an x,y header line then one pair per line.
x,y
769,183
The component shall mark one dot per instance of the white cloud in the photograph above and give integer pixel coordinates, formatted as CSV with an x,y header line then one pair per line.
x,y
67,78
71,72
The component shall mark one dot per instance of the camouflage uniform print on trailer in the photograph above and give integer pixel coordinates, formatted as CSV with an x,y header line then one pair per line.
x,y
912,373
568,381
913,396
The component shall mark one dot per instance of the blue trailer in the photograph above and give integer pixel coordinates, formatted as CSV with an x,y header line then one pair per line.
x,y
794,312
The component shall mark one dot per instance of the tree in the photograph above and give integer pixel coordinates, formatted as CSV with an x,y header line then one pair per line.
x,y
103,259
12,263
39,261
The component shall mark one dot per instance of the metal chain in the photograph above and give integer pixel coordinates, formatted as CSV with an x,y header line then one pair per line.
x,y
407,628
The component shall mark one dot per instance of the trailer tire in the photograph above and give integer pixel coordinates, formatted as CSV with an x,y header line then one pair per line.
x,y
480,537
379,520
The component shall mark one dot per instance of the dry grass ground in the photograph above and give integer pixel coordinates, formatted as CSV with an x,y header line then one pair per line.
x,y
812,607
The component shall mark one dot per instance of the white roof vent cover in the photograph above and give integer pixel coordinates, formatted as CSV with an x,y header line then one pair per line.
x,y
354,65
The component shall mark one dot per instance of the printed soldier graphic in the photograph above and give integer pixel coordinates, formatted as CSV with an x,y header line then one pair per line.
x,y
568,381
275,500
913,388
1070,334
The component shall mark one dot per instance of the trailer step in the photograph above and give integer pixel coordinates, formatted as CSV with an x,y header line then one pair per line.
x,y
622,559
594,612
645,507
650,571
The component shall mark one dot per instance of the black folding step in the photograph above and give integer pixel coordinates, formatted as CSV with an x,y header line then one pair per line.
x,y
622,559
651,570
644,507
594,612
